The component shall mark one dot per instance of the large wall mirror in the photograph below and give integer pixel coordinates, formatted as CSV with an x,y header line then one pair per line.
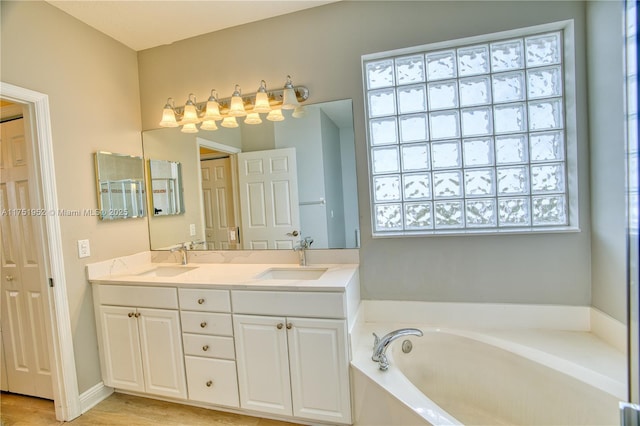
x,y
263,186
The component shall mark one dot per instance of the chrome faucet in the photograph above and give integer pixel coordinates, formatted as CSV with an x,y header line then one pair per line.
x,y
380,344
183,251
301,248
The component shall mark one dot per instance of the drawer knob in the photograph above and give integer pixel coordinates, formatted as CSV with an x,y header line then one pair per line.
x,y
279,326
203,324
200,301
130,314
289,326
205,348
209,383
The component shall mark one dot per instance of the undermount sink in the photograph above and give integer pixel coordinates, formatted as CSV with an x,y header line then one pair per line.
x,y
292,274
167,271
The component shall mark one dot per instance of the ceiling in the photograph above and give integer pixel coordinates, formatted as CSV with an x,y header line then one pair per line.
x,y
143,24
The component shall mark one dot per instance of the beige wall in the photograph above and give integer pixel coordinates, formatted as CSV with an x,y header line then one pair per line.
x,y
321,48
92,83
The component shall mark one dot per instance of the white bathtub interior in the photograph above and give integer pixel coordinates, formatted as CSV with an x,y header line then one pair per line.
x,y
525,375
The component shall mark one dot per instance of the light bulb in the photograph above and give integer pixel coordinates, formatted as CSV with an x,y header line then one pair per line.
x,y
189,128
237,104
275,115
208,125
190,111
262,99
289,98
168,115
229,122
253,118
299,112
213,108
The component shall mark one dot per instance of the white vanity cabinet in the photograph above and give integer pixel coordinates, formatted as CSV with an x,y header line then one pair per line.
x,y
207,334
139,339
295,363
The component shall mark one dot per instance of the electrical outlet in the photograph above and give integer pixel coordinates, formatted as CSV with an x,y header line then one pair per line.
x,y
192,229
84,250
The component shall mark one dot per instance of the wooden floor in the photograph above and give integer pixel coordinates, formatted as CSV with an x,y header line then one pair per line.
x,y
121,409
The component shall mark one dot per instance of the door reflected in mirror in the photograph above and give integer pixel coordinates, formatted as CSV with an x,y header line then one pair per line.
x,y
246,194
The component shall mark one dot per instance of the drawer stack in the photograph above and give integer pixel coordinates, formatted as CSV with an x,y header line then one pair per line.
x,y
207,335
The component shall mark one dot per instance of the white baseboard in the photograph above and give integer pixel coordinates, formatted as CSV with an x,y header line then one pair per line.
x,y
609,329
94,396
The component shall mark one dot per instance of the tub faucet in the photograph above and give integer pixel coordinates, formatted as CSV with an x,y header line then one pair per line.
x,y
301,248
183,251
380,344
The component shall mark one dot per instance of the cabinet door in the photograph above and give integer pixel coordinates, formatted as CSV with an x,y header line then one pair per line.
x,y
319,369
263,367
121,348
162,355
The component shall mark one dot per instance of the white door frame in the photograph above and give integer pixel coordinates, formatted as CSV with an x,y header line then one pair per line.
x,y
59,336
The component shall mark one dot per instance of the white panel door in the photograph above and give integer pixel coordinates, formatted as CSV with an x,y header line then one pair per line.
x,y
217,194
319,366
263,365
122,363
161,349
23,275
269,206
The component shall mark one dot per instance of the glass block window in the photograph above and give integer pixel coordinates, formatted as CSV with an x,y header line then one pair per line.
x,y
468,138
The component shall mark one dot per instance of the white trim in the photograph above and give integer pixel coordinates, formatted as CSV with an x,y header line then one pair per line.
x,y
609,330
65,384
478,315
94,396
217,146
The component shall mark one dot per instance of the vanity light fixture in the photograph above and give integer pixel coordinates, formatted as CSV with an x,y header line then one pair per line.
x,y
264,101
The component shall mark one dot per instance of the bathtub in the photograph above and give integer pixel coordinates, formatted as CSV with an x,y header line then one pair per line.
x,y
462,377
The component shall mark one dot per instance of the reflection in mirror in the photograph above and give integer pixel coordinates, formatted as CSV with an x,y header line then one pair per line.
x,y
234,206
166,187
120,185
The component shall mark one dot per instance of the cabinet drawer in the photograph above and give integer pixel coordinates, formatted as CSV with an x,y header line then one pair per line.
x,y
289,303
208,346
212,380
206,323
133,295
195,299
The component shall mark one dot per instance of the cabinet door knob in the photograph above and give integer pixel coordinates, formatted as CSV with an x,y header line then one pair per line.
x,y
279,326
289,326
137,315
203,324
205,348
209,383
130,314
200,301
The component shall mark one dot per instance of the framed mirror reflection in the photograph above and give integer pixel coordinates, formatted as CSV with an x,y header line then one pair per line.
x,y
120,186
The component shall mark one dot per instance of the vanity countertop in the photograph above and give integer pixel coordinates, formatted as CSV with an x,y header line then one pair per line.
x,y
316,277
